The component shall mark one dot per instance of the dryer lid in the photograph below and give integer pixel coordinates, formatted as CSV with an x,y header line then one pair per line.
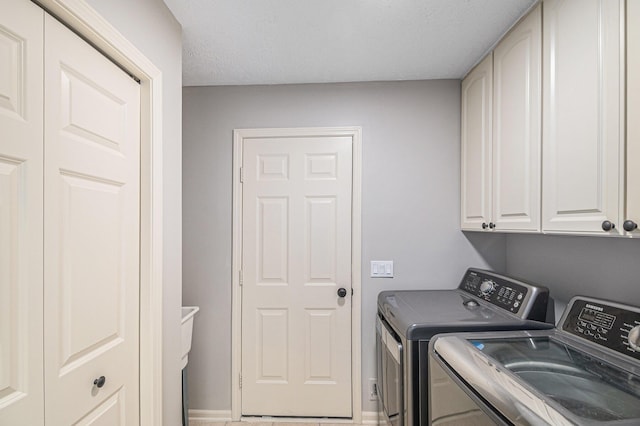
x,y
421,314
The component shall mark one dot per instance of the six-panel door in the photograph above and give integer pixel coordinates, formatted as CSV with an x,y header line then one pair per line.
x,y
91,234
21,396
296,329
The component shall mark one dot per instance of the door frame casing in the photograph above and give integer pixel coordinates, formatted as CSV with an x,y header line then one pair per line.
x,y
85,21
356,254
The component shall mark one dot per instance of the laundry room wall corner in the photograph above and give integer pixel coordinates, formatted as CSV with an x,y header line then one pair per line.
x,y
410,200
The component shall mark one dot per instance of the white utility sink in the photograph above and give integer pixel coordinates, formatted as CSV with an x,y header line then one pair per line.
x,y
188,312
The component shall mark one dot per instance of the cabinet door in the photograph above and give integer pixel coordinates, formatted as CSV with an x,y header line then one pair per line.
x,y
632,211
476,146
21,397
517,127
581,114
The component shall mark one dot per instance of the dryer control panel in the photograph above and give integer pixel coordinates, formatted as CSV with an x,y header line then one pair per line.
x,y
523,299
609,324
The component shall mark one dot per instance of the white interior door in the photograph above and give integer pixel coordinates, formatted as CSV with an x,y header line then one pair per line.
x,y
91,230
296,329
21,397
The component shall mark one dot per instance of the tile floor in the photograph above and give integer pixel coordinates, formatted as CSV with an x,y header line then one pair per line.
x,y
195,422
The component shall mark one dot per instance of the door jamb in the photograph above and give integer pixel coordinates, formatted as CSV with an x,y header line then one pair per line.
x,y
356,252
85,21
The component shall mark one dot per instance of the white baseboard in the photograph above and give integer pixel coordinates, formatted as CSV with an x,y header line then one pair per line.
x,y
200,416
221,416
369,417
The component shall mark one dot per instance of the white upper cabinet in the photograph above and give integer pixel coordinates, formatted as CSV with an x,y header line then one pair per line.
x,y
631,212
516,127
501,134
583,149
476,146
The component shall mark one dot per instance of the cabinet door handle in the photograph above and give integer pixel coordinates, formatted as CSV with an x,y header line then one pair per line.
x,y
629,225
99,382
608,226
484,225
492,225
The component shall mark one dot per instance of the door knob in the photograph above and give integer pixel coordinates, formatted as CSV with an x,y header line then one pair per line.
x,y
607,225
484,225
99,382
342,292
629,225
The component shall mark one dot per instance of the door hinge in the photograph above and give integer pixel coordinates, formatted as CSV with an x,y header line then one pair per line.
x,y
240,376
241,174
240,278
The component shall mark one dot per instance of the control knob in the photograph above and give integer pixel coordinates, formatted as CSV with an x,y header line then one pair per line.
x,y
487,287
470,303
634,338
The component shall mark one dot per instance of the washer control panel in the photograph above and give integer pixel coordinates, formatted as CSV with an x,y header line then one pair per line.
x,y
607,324
507,293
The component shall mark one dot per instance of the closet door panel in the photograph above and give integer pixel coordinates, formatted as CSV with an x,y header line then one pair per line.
x,y
21,353
91,234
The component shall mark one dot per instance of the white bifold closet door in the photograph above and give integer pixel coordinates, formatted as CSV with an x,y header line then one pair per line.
x,y
21,393
69,227
91,234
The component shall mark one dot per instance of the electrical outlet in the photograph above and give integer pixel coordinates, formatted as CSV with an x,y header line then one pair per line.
x,y
373,389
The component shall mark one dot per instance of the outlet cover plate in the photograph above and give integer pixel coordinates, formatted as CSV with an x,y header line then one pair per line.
x,y
373,390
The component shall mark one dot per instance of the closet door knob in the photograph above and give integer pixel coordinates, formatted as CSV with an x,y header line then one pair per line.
x,y
484,225
492,225
629,225
99,382
342,292
608,226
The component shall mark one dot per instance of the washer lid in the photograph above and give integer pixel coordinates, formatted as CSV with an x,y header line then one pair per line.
x,y
420,314
537,377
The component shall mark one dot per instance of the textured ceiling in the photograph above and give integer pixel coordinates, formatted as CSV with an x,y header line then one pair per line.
x,y
239,42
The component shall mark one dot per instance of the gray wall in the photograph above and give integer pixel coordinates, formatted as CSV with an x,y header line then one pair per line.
x,y
151,27
410,200
595,266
